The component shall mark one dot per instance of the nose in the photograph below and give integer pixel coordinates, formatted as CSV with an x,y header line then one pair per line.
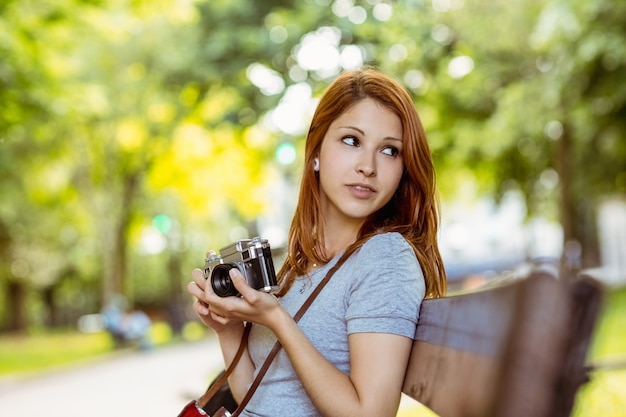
x,y
366,165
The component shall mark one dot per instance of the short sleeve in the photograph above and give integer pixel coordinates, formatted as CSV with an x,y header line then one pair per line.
x,y
388,288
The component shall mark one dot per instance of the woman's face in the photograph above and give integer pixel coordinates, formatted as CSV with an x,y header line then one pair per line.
x,y
360,163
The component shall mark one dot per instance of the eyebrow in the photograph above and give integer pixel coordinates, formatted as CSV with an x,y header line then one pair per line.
x,y
363,133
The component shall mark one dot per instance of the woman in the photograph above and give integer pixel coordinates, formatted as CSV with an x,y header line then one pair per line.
x,y
368,189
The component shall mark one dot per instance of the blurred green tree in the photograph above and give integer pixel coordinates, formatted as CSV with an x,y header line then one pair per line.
x,y
543,109
36,202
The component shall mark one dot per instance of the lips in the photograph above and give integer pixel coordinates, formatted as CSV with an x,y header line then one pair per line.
x,y
361,190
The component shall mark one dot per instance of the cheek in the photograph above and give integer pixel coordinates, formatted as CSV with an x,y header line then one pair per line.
x,y
394,180
335,164
325,181
394,172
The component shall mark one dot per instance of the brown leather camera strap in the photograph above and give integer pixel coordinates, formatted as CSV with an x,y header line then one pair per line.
x,y
296,318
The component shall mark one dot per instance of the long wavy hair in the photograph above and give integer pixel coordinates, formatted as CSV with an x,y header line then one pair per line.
x,y
413,209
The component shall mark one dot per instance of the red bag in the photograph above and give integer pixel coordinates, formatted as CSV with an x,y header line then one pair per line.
x,y
194,410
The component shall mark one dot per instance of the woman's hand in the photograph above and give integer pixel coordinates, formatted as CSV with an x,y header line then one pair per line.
x,y
200,304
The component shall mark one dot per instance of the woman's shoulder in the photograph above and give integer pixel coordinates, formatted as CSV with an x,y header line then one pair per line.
x,y
386,282
386,243
388,251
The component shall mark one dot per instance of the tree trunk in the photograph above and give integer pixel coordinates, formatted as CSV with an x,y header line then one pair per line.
x,y
116,255
577,210
48,298
570,257
177,301
16,306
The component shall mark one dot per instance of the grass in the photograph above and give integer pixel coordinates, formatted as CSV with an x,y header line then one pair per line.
x,y
28,353
41,350
604,395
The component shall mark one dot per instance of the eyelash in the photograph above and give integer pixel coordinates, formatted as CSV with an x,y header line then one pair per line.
x,y
352,141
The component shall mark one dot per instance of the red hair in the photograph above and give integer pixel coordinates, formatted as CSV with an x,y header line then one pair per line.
x,y
413,209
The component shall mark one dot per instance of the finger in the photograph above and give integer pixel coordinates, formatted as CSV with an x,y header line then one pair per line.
x,y
201,308
198,277
219,319
210,254
209,293
195,290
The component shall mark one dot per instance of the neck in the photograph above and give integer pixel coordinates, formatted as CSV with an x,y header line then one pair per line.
x,y
338,237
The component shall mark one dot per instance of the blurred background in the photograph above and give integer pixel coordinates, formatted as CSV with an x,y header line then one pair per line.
x,y
136,135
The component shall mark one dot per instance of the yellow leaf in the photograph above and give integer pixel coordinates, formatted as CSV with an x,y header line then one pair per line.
x,y
131,134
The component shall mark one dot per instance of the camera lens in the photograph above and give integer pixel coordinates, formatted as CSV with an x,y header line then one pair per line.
x,y
221,282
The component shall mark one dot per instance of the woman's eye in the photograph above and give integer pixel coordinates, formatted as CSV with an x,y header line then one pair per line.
x,y
391,151
350,140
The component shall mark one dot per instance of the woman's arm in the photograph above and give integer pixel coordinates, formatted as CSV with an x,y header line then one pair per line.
x,y
377,360
242,375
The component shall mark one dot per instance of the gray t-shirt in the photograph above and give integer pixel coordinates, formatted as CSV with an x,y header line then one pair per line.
x,y
379,289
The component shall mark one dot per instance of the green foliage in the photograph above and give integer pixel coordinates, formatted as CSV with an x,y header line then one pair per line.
x,y
114,112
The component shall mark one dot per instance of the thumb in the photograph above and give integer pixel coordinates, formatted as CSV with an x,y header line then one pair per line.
x,y
239,281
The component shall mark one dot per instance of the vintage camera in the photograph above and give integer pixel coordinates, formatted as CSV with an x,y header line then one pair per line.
x,y
252,257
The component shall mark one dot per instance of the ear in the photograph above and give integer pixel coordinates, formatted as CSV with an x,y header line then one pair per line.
x,y
316,164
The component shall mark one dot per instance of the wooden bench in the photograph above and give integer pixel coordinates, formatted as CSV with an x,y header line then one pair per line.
x,y
517,348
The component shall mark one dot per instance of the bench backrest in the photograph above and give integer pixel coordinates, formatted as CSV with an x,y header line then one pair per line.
x,y
514,349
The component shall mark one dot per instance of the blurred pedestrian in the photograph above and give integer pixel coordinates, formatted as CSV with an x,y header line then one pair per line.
x,y
126,326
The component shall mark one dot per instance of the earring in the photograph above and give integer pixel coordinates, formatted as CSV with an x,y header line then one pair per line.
x,y
316,164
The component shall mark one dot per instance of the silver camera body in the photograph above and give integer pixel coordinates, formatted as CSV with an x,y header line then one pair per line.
x,y
253,258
